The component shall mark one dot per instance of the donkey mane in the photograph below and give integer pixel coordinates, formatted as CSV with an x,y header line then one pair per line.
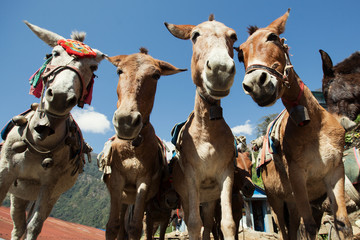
x,y
78,36
144,50
251,29
349,65
211,17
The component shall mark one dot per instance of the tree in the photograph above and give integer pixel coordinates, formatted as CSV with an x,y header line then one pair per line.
x,y
264,123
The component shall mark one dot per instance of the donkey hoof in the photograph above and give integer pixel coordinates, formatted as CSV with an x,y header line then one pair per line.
x,y
19,120
19,147
47,163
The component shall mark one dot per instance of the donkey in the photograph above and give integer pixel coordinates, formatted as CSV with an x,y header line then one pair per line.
x,y
135,162
42,155
341,87
205,169
308,163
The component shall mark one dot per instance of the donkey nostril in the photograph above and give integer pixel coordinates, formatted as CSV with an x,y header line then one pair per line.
x,y
136,120
208,64
247,88
49,92
262,78
72,102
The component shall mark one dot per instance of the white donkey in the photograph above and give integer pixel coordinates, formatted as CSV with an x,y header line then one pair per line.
x,y
43,152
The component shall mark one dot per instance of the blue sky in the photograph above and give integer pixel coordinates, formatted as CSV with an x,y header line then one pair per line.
x,y
122,27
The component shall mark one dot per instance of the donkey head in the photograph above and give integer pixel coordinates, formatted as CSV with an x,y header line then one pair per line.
x,y
68,75
138,77
264,55
212,64
341,85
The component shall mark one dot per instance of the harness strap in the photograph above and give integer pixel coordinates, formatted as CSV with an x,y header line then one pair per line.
x,y
296,102
53,70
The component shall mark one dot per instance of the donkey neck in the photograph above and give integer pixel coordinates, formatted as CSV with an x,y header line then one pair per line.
x,y
207,111
294,93
299,94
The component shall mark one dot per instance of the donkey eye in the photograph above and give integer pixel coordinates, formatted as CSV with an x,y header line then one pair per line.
x,y
56,54
272,37
233,37
194,36
240,55
93,68
156,76
119,71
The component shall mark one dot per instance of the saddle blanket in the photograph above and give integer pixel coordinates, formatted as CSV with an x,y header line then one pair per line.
x,y
270,142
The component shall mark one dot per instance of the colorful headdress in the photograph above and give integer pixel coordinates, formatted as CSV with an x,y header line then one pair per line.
x,y
77,48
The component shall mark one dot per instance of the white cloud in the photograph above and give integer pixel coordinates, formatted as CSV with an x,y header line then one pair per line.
x,y
91,121
245,129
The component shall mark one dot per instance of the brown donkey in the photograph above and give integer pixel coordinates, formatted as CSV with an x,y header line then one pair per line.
x,y
308,163
134,159
205,168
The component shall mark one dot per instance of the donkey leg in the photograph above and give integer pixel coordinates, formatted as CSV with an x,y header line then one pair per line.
x,y
163,226
43,207
149,227
208,210
113,224
135,228
122,232
227,220
278,212
192,209
294,220
335,188
18,216
298,184
7,177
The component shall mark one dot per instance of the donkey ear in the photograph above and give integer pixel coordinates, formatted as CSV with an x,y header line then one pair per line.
x,y
47,36
168,69
327,64
180,31
115,60
279,24
99,55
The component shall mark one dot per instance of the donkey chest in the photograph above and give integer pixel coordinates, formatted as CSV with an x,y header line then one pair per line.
x,y
29,165
211,158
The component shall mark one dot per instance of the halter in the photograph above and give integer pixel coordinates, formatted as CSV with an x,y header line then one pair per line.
x,y
282,77
48,72
51,71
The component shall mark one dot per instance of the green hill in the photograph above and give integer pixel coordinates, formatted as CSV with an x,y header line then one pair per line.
x,y
87,202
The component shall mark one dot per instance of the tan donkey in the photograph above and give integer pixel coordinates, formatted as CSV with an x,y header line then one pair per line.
x,y
308,163
135,157
205,169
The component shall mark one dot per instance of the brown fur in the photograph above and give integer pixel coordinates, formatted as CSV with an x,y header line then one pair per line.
x,y
136,169
309,160
204,172
341,85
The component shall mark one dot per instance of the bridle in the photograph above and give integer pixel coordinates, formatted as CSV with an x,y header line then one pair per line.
x,y
282,77
51,71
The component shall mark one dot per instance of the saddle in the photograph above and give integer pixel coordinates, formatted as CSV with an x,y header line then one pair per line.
x,y
270,142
